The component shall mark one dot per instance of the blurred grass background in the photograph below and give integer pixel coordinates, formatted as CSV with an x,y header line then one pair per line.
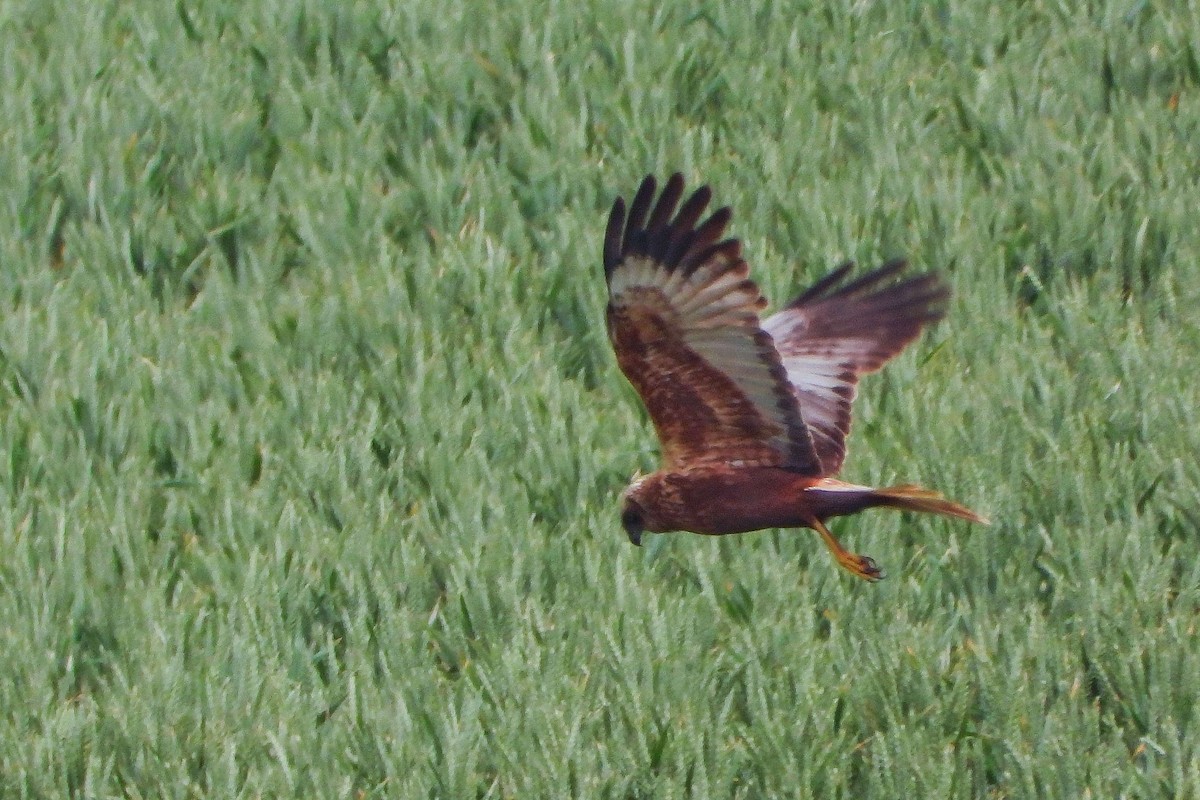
x,y
312,438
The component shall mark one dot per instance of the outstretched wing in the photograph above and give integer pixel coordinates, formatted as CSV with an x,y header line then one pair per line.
x,y
833,333
683,320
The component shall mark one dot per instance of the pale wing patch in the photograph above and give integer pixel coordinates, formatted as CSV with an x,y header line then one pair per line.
x,y
825,389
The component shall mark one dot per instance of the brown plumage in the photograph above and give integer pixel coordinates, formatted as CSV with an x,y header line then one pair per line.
x,y
752,416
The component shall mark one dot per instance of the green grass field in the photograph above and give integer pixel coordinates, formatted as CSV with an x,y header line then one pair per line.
x,y
311,439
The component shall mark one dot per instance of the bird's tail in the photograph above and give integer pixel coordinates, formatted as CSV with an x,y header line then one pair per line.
x,y
832,498
910,497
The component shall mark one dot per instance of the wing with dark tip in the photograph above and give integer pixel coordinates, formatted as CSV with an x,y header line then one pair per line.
x,y
836,331
683,320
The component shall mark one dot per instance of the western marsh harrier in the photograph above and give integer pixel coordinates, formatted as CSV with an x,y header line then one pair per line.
x,y
752,416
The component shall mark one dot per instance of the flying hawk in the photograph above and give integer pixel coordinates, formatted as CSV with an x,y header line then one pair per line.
x,y
752,416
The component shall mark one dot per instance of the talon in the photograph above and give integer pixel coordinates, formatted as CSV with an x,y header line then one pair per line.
x,y
862,566
869,570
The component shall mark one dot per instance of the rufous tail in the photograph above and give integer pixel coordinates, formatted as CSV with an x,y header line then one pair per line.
x,y
910,497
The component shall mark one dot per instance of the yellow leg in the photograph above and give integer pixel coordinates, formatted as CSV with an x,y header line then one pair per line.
x,y
862,566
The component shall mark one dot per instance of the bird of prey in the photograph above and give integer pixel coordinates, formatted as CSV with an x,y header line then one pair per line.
x,y
752,416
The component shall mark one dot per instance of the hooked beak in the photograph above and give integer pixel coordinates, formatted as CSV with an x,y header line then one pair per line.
x,y
634,532
631,519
